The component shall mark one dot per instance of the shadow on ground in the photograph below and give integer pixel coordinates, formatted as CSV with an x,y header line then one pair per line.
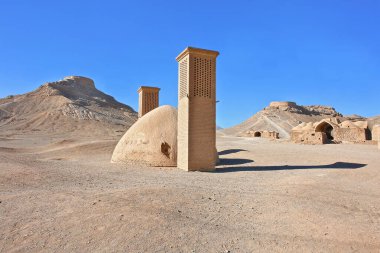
x,y
231,151
337,165
234,161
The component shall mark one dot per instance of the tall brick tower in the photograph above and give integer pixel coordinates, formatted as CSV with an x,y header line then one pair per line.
x,y
197,109
148,99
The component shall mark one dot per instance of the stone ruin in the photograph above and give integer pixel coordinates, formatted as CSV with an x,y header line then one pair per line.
x,y
263,134
331,130
376,132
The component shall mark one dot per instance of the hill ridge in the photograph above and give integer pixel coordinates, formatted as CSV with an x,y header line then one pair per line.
x,y
70,104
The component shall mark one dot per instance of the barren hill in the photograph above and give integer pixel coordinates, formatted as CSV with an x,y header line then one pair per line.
x,y
71,105
282,117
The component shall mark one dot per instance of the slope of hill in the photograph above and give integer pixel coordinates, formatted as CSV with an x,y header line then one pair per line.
x,y
71,105
282,117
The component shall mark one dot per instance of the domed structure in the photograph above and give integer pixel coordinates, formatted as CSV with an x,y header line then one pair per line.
x,y
152,140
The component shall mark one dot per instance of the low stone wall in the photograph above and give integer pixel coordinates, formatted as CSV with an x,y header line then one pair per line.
x,y
376,132
270,135
376,135
308,137
350,134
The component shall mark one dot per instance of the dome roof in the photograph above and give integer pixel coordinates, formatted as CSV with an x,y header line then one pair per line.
x,y
152,140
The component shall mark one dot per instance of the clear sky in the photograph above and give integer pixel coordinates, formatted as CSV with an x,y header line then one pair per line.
x,y
311,52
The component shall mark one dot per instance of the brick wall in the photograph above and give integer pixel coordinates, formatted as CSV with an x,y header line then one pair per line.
x,y
350,134
308,137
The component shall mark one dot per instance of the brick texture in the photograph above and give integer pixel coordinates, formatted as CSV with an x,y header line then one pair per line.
x,y
148,99
197,109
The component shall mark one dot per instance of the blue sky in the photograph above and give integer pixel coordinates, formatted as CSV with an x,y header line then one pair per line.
x,y
311,52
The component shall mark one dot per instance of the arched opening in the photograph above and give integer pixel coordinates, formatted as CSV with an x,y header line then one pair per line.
x,y
257,134
326,128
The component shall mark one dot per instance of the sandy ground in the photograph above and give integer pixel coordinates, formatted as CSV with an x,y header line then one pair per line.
x,y
62,195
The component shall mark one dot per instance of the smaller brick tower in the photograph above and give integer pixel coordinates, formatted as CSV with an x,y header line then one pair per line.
x,y
148,99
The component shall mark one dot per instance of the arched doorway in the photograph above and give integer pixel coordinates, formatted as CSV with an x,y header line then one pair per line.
x,y
326,128
257,134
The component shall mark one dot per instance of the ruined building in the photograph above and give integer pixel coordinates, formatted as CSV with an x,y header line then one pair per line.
x,y
331,130
263,134
148,99
376,132
197,109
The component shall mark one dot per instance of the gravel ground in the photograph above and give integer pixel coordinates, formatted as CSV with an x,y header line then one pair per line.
x,y
63,195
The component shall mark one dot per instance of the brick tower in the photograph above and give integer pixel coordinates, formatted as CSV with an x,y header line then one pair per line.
x,y
148,99
197,109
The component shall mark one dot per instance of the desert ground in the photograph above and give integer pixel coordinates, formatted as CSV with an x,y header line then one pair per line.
x,y
61,193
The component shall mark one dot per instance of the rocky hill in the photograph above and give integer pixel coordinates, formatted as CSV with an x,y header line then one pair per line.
x,y
71,105
282,117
